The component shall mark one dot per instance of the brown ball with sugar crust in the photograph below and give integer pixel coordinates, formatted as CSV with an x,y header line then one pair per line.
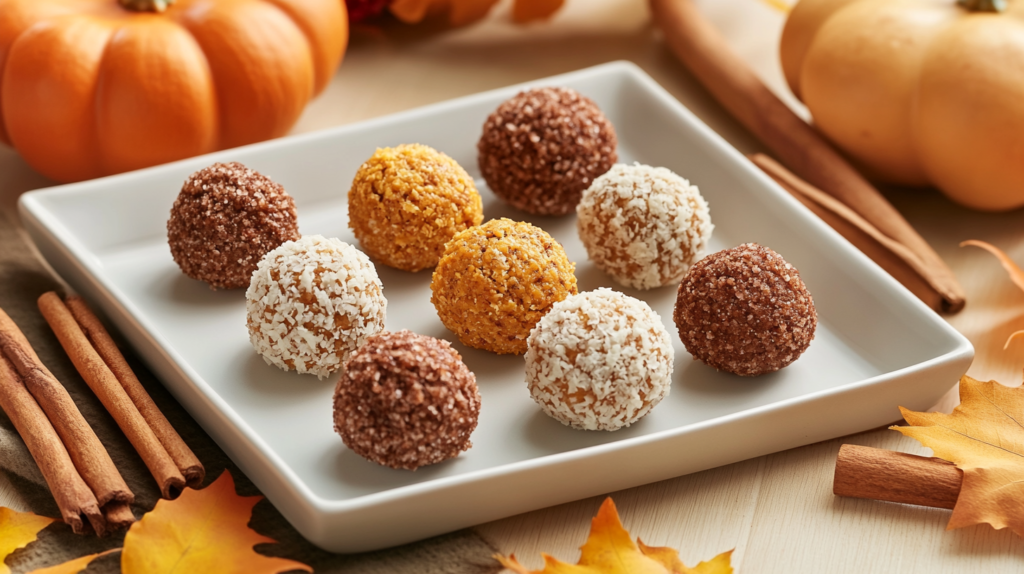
x,y
745,311
226,218
541,148
495,281
407,202
406,400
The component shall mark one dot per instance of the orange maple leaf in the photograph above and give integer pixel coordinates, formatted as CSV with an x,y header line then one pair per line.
x,y
461,12
17,530
610,550
984,437
201,531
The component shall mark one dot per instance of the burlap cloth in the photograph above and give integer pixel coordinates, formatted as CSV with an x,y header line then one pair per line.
x,y
23,278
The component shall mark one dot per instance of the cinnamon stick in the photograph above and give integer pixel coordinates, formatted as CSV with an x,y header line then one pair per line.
x,y
118,516
865,472
113,396
73,496
897,260
708,56
84,447
186,461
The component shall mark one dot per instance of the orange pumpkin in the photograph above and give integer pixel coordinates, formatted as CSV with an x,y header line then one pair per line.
x,y
94,87
917,91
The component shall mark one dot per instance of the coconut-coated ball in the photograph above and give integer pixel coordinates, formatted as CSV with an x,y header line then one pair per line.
x,y
745,311
540,149
225,219
406,400
599,360
645,226
407,202
496,280
312,303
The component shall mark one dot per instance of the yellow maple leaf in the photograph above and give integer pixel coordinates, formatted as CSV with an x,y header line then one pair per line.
x,y
201,531
17,530
461,12
984,437
610,550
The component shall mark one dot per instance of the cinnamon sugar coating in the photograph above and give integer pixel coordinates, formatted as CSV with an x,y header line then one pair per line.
x,y
496,280
745,311
226,218
406,202
406,400
540,149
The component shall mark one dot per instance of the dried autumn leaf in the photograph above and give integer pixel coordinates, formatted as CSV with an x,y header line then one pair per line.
x,y
461,12
1015,272
984,437
609,550
201,531
17,530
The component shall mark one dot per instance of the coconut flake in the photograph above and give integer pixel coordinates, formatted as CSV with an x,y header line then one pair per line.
x,y
599,360
311,303
645,226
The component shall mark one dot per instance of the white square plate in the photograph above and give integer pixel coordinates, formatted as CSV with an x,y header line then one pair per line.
x,y
876,346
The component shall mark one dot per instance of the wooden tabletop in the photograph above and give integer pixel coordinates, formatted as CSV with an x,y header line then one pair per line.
x,y
777,511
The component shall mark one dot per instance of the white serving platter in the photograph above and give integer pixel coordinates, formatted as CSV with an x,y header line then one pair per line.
x,y
876,346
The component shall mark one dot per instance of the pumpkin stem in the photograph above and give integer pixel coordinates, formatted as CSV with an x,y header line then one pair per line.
x,y
148,5
983,5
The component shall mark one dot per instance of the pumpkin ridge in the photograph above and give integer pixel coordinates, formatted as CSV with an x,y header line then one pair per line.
x,y
301,26
144,56
323,56
54,128
265,84
32,13
96,98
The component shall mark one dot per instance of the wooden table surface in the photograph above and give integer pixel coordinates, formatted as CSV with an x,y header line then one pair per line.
x,y
777,511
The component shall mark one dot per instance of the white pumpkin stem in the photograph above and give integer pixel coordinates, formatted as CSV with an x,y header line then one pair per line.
x,y
146,5
983,5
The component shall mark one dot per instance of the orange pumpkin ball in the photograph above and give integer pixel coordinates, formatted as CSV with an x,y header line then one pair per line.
x,y
496,280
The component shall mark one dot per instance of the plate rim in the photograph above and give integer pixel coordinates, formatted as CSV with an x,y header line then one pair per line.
x,y
37,218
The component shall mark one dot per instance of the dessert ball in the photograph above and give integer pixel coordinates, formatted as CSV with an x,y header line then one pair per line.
x,y
745,311
407,202
495,281
406,400
645,226
312,303
225,219
599,360
543,147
